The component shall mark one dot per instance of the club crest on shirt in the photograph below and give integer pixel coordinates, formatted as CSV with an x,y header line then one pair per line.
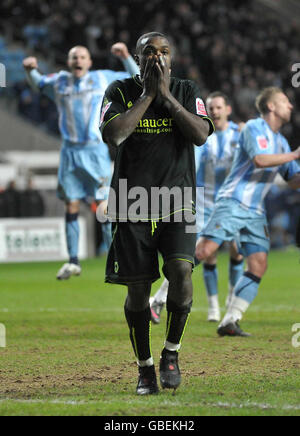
x,y
262,142
200,107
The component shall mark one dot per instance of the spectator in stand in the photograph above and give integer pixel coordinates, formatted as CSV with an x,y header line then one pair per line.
x,y
31,202
12,201
28,102
2,203
36,36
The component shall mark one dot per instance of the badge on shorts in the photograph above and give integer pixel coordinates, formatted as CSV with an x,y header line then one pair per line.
x,y
116,267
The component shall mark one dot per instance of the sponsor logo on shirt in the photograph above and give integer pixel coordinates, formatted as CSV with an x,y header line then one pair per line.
x,y
157,126
200,107
262,142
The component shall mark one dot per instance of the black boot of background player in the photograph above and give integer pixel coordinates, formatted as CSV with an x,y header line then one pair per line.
x,y
232,329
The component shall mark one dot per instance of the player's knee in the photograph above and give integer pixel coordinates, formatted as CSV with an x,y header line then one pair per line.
x,y
264,269
179,274
178,271
258,265
203,252
73,207
182,308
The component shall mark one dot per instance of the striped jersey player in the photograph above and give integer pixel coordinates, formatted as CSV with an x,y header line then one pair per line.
x,y
239,212
249,185
85,164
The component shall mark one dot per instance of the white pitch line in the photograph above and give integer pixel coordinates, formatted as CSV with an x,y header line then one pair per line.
x,y
69,309
225,405
267,308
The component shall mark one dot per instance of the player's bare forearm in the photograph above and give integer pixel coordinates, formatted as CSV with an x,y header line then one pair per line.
x,y
275,160
121,127
192,127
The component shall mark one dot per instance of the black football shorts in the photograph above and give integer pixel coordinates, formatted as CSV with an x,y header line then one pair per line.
x,y
133,255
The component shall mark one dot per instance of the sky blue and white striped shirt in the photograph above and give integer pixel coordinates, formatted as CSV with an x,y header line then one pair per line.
x,y
214,160
79,100
246,183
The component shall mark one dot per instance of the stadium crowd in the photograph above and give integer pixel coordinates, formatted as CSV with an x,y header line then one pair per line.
x,y
27,203
232,46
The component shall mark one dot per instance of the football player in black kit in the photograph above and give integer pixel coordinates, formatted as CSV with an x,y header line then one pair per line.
x,y
154,120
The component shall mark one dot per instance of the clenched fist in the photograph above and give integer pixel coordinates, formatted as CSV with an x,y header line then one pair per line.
x,y
120,49
30,63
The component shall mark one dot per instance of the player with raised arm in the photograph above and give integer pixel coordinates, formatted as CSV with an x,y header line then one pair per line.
x,y
154,120
239,212
85,164
213,164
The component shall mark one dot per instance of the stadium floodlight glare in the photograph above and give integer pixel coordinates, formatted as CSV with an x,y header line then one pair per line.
x,y
296,77
2,336
2,76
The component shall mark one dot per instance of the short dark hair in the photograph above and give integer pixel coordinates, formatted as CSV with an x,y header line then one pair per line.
x,y
221,94
264,98
149,35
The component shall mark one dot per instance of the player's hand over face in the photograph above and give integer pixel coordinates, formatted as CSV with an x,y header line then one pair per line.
x,y
163,77
149,78
30,63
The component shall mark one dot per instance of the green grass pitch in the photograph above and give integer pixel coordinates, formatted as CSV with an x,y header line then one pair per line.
x,y
68,350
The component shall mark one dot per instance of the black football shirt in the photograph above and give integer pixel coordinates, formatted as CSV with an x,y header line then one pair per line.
x,y
155,156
